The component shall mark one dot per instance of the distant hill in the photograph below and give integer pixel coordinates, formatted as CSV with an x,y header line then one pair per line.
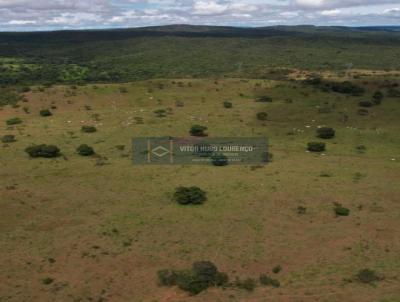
x,y
114,55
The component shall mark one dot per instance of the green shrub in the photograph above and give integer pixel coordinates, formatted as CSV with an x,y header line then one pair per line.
x,y
47,281
13,121
277,269
316,146
198,130
85,150
202,275
264,99
347,88
46,151
378,97
88,129
268,281
205,270
367,276
248,284
227,105
45,112
341,211
365,104
219,160
190,195
8,138
262,116
192,283
325,132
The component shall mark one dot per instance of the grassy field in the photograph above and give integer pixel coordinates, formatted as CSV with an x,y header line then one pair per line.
x,y
101,227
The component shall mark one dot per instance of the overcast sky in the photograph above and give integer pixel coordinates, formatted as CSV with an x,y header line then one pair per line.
x,y
73,14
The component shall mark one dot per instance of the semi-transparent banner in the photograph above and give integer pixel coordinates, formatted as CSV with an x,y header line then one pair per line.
x,y
219,151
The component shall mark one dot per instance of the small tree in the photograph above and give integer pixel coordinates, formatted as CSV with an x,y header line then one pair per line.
x,y
190,195
46,151
85,150
45,112
198,130
316,146
88,129
325,132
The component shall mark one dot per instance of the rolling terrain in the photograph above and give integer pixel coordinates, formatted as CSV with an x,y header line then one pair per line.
x,y
98,228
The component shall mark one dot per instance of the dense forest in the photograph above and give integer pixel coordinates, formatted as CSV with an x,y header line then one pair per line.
x,y
121,55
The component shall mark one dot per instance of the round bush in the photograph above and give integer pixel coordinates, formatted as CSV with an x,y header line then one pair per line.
x,y
88,129
325,132
190,195
262,116
198,130
316,147
46,151
341,211
367,276
45,112
85,150
8,139
227,105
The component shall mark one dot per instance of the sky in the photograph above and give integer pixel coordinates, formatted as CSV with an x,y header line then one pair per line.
x,y
27,15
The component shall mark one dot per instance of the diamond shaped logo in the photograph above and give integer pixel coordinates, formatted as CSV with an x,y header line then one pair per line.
x,y
160,151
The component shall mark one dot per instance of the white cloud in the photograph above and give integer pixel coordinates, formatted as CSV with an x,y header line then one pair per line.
x,y
209,8
53,14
